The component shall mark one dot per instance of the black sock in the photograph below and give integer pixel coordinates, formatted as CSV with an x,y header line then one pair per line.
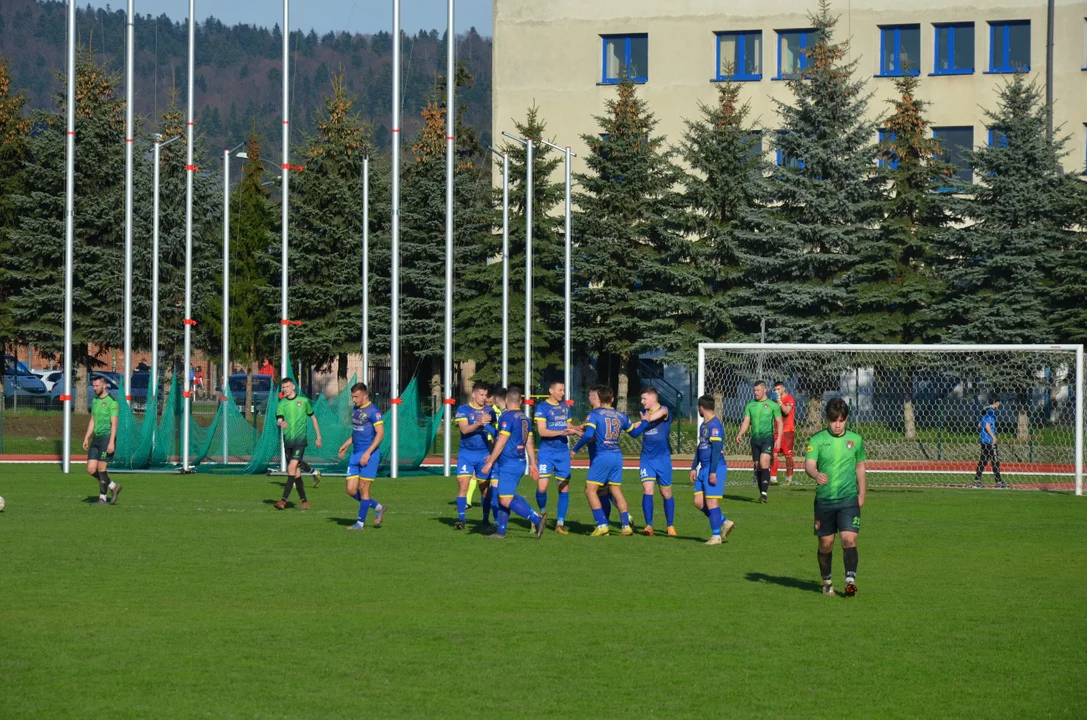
x,y
301,488
288,486
103,485
764,480
824,564
305,466
849,555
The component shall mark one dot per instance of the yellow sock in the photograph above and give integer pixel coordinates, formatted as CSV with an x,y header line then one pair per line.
x,y
473,486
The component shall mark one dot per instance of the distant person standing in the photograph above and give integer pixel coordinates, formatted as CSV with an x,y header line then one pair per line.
x,y
266,368
989,453
787,403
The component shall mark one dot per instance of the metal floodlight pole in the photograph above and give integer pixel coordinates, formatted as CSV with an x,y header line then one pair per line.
x,y
505,266
190,169
366,269
450,117
528,267
153,385
394,324
567,377
226,396
69,233
284,363
130,131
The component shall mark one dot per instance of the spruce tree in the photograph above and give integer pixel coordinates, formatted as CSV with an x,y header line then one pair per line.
x,y
999,269
724,191
482,332
38,268
13,154
637,285
326,236
422,240
823,209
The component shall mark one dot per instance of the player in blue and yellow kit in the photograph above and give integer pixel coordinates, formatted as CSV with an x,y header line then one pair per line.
x,y
512,453
601,433
553,424
709,471
367,432
655,428
472,419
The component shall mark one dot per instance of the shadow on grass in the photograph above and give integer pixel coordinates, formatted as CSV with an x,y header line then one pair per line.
x,y
290,503
784,581
739,498
92,500
346,522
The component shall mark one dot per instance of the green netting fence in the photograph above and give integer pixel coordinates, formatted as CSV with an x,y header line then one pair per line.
x,y
231,444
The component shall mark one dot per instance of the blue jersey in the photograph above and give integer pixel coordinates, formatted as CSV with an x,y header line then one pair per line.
x,y
555,417
988,418
655,439
711,439
364,422
475,441
607,424
514,425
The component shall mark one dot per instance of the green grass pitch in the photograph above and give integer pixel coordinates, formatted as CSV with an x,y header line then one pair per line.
x,y
194,598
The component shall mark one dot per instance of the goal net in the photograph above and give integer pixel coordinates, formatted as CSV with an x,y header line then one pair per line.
x,y
919,407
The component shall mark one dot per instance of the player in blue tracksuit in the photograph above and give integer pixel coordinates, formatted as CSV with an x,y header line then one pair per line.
x,y
553,424
601,433
367,432
655,430
709,471
512,453
472,421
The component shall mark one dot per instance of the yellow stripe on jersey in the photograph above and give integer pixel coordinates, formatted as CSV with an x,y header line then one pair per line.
x,y
592,425
505,432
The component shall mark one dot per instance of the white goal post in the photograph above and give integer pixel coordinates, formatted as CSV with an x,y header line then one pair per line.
x,y
920,408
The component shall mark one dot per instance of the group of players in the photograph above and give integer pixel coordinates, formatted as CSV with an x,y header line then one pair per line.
x,y
497,448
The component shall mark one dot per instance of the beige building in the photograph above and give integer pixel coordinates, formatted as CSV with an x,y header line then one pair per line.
x,y
565,55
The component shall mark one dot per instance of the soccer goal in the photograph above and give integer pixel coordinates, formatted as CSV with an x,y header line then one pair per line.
x,y
920,408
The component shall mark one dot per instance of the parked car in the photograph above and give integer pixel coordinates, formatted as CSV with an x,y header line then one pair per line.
x,y
49,378
262,385
22,385
140,386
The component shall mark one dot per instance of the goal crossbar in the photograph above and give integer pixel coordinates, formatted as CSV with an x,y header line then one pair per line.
x,y
904,348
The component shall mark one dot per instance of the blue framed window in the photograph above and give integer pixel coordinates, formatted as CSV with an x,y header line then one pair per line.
x,y
886,136
997,137
1009,46
625,53
783,159
793,46
954,49
742,51
957,143
900,50
753,140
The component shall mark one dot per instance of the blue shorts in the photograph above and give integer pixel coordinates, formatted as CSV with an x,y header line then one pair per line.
x,y
606,469
702,482
658,469
367,471
509,476
554,463
470,464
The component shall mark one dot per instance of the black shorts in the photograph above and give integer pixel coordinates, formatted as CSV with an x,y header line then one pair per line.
x,y
829,521
294,452
97,449
761,446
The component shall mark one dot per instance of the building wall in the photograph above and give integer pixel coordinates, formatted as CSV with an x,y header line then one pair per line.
x,y
550,54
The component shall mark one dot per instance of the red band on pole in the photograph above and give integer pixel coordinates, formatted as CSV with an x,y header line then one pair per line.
x,y
298,168
222,399
65,398
71,132
529,401
128,398
190,321
286,122
396,401
193,168
191,124
129,140
186,393
449,137
570,403
450,401
397,130
291,322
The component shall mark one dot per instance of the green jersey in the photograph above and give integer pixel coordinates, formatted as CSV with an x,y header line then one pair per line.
x,y
102,409
762,414
837,458
295,412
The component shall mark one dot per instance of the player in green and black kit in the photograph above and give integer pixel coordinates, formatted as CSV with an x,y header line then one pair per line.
x,y
291,414
103,428
835,460
763,416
